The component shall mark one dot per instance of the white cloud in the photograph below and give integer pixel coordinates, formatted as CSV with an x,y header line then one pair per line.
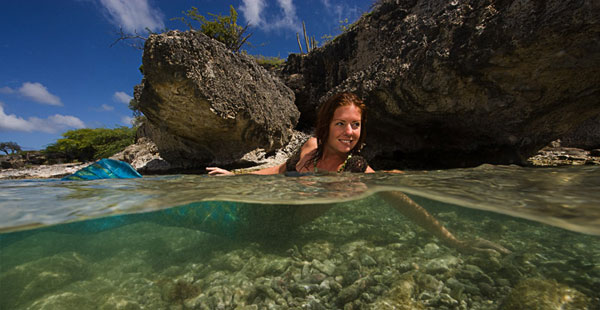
x,y
52,124
106,107
254,11
127,120
38,92
289,18
6,90
133,15
34,91
122,97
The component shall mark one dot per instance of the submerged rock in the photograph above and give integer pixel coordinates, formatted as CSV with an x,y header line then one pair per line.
x,y
538,293
460,83
35,279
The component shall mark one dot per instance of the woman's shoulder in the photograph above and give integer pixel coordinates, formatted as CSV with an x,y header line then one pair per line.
x,y
309,145
300,156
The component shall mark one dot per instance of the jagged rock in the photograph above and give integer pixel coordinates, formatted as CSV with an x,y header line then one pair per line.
x,y
460,83
144,157
210,105
557,155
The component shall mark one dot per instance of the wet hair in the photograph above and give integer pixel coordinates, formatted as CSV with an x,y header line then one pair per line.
x,y
325,115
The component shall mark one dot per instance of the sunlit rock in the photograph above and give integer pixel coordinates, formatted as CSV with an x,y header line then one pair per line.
x,y
215,104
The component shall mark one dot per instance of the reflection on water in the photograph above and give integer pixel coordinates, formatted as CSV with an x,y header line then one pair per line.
x,y
360,254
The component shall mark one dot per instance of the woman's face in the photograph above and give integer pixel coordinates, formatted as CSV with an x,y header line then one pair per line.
x,y
344,129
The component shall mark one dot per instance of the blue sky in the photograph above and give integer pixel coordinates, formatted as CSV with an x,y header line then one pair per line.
x,y
58,70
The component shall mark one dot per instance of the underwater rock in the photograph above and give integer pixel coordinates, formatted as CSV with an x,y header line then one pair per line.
x,y
119,304
327,266
399,297
350,293
320,250
218,105
460,83
430,249
536,293
66,300
37,278
442,264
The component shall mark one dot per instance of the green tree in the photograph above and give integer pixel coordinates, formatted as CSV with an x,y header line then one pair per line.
x,y
90,144
9,146
223,28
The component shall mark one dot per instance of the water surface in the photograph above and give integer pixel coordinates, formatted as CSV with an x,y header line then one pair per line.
x,y
125,244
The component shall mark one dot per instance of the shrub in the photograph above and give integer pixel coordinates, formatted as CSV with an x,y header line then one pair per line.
x,y
269,63
91,144
11,147
221,28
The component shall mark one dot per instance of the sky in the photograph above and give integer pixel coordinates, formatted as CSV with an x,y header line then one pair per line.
x,y
58,70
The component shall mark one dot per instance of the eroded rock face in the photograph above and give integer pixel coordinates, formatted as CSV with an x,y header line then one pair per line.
x,y
209,105
460,83
585,136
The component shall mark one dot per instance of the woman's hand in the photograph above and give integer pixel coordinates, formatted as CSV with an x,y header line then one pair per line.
x,y
218,171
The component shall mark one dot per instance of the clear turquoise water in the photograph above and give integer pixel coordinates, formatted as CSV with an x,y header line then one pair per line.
x,y
151,243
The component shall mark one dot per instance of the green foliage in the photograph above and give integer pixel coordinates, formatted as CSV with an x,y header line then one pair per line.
x,y
221,28
13,147
90,144
343,25
269,62
135,107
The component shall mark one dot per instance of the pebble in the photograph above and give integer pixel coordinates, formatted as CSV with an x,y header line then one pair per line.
x,y
441,265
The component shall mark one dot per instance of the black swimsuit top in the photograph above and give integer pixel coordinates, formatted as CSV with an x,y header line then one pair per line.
x,y
355,163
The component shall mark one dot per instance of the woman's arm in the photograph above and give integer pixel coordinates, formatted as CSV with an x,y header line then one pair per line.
x,y
307,147
265,171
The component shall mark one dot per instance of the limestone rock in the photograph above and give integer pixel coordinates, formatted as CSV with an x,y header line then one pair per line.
x,y
42,171
144,157
211,105
460,83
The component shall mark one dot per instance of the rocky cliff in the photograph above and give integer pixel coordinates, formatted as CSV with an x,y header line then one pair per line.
x,y
206,105
447,83
460,83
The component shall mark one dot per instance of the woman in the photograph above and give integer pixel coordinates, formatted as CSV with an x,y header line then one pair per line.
x,y
339,136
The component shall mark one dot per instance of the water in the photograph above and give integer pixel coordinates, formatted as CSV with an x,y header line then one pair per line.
x,y
171,242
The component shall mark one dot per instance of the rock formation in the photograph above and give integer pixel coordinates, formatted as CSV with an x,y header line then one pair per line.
x,y
585,136
460,83
207,105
